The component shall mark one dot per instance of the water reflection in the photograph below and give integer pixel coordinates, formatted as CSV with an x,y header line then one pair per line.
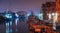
x,y
7,27
16,26
10,24
16,21
10,27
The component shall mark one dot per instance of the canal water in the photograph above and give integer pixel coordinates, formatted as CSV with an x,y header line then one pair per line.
x,y
15,26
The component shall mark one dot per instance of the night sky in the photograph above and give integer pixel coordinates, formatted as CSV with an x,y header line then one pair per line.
x,y
21,5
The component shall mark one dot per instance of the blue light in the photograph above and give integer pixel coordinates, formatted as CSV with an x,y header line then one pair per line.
x,y
41,16
10,26
11,23
28,14
7,24
10,30
8,15
7,27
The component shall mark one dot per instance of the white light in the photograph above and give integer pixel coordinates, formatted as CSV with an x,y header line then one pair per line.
x,y
16,15
54,20
54,27
53,14
8,15
16,21
28,14
56,16
49,16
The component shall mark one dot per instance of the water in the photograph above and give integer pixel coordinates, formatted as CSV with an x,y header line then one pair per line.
x,y
15,26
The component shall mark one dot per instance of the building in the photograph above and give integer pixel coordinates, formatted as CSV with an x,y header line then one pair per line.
x,y
49,13
58,12
58,9
31,16
48,9
21,15
9,15
2,14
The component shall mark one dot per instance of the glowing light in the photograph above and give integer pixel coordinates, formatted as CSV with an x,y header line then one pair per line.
x,y
10,30
8,15
56,16
54,27
16,21
54,20
11,23
53,14
16,15
7,27
7,24
49,16
28,14
10,26
40,16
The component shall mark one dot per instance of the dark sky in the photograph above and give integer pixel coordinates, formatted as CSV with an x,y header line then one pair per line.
x,y
18,5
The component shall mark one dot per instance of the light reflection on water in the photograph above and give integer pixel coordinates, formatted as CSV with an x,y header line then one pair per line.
x,y
9,25
16,26
16,21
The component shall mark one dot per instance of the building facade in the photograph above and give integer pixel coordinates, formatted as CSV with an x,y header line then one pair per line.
x,y
48,9
58,9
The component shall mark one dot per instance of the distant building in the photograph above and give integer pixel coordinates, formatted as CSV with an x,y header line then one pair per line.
x,y
48,8
49,13
9,14
21,12
2,14
22,15
31,16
